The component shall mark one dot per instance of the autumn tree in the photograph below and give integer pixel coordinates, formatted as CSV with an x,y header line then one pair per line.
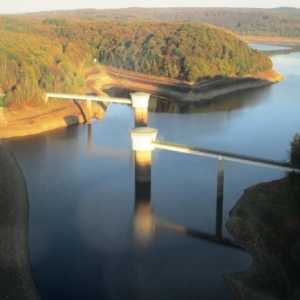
x,y
46,54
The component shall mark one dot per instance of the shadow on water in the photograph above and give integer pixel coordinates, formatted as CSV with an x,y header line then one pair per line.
x,y
254,224
294,48
81,110
92,237
109,270
90,137
224,103
146,222
102,105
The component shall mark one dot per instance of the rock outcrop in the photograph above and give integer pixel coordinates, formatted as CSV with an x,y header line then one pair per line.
x,y
16,278
266,222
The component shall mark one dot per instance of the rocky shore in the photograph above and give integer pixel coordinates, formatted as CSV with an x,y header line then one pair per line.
x,y
16,278
266,222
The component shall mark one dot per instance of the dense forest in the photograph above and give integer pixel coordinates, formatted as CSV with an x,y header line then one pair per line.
x,y
282,21
40,54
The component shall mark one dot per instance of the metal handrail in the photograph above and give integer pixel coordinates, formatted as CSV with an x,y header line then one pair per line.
x,y
285,166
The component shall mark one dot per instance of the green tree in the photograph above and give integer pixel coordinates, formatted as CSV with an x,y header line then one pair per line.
x,y
295,149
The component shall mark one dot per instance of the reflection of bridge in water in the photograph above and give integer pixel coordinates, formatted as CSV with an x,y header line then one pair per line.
x,y
146,223
143,143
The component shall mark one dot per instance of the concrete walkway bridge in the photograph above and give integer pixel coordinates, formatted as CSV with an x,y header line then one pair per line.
x,y
144,142
221,155
139,102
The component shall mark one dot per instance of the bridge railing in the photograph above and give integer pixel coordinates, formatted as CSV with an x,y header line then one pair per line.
x,y
139,102
245,159
88,97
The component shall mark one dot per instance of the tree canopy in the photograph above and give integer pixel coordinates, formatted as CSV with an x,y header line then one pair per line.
x,y
295,150
47,54
281,21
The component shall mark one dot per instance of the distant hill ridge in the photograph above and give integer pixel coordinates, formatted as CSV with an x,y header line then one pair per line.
x,y
280,21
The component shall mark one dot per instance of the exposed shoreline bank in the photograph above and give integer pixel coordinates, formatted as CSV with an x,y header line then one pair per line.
x,y
16,278
204,90
265,222
269,39
32,120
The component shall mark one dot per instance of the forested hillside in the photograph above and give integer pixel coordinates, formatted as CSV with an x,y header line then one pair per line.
x,y
283,21
49,54
30,64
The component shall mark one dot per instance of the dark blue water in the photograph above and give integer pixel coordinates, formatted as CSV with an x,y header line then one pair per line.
x,y
91,236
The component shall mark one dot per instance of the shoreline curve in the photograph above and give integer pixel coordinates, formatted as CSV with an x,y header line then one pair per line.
x,y
16,277
179,91
101,77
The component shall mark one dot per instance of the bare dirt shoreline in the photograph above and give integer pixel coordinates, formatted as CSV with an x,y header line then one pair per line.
x,y
55,114
269,39
203,90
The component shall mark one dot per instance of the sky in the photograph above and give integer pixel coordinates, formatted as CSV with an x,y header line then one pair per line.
x,y
23,6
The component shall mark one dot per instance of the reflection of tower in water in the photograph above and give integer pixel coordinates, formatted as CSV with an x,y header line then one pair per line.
x,y
143,223
140,105
143,166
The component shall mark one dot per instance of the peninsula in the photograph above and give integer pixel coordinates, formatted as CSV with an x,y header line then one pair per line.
x,y
26,119
182,61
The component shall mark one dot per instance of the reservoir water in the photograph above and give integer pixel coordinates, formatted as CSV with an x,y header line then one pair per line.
x,y
92,235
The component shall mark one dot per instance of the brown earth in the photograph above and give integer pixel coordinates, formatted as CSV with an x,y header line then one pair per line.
x,y
177,90
269,39
26,120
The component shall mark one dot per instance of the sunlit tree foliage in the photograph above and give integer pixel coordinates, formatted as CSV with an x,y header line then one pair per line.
x,y
48,54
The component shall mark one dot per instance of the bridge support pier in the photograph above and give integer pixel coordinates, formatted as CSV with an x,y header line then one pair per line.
x,y
144,223
89,111
140,104
141,142
220,187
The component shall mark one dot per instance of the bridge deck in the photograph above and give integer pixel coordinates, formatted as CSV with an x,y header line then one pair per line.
x,y
281,165
89,97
